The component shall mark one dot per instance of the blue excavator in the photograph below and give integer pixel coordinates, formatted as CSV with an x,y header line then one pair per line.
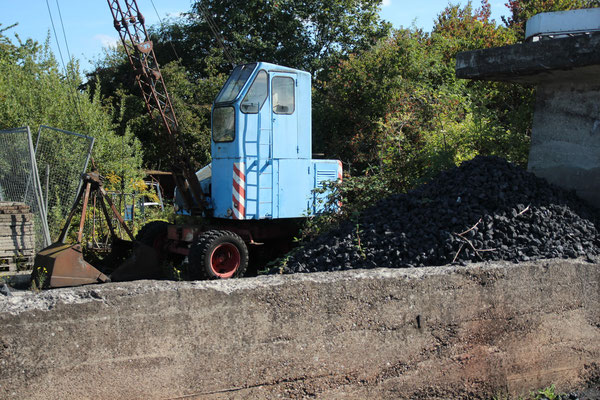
x,y
259,185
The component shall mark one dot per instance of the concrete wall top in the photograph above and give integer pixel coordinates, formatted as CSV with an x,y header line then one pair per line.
x,y
573,58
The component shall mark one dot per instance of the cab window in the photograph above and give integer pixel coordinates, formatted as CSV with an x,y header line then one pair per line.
x,y
283,95
235,83
256,96
223,124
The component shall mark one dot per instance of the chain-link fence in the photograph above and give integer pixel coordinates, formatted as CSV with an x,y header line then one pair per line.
x,y
62,157
19,179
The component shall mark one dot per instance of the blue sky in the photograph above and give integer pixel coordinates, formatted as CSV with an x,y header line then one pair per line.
x,y
88,23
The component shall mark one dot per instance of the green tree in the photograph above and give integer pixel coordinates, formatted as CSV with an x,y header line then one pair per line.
x,y
466,28
500,113
35,92
361,91
307,35
397,112
191,97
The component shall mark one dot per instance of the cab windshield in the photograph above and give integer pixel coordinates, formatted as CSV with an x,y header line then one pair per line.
x,y
235,83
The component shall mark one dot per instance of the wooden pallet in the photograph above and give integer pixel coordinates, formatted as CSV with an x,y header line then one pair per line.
x,y
16,264
17,237
8,207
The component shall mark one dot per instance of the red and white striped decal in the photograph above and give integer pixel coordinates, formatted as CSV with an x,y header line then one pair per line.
x,y
239,191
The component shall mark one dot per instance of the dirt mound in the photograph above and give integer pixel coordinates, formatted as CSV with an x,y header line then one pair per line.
x,y
486,209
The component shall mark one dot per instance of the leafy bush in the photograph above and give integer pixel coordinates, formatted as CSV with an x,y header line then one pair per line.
x,y
35,92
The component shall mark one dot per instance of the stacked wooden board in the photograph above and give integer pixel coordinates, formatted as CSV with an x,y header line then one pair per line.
x,y
17,237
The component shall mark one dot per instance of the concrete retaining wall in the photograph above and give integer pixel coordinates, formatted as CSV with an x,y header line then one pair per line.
x,y
449,332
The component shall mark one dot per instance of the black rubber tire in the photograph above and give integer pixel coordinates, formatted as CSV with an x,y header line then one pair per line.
x,y
152,231
203,254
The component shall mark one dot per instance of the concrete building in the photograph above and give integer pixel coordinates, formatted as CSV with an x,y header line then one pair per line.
x,y
565,139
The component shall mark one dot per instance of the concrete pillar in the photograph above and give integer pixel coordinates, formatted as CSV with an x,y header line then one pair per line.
x,y
565,140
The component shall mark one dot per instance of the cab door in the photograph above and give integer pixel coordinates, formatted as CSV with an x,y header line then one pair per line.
x,y
284,115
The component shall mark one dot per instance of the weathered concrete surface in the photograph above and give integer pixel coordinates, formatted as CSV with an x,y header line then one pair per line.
x,y
555,60
565,138
448,332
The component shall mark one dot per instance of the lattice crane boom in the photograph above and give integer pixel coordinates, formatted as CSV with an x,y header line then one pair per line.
x,y
129,23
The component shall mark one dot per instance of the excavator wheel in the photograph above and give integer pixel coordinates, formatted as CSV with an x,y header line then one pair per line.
x,y
218,255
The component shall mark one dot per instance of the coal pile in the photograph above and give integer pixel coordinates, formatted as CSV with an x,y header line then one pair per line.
x,y
486,209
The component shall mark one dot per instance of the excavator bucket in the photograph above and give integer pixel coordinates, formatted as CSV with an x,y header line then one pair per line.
x,y
60,265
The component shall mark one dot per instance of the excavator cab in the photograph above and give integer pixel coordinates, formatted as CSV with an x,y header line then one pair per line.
x,y
261,147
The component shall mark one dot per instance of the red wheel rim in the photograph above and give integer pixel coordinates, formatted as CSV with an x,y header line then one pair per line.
x,y
225,260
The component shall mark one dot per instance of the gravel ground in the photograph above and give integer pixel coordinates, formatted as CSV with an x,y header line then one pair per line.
x,y
486,209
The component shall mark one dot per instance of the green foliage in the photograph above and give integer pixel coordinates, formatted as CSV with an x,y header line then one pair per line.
x,y
400,108
359,94
547,393
345,200
193,101
191,96
503,114
35,92
40,278
357,240
461,29
307,35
